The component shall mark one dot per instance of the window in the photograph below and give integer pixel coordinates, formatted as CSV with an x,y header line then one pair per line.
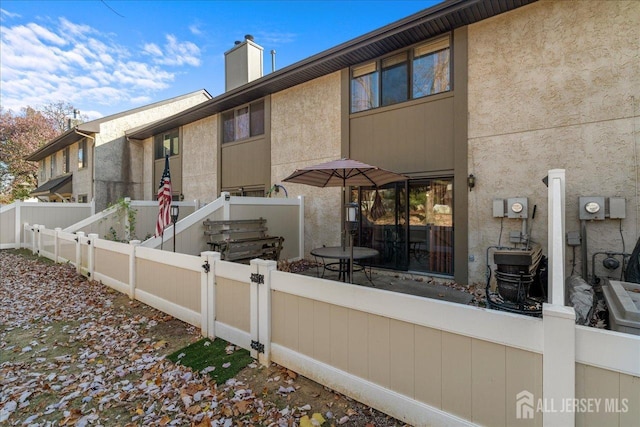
x,y
52,166
43,171
421,71
167,143
82,198
244,122
364,87
65,160
394,79
431,68
82,154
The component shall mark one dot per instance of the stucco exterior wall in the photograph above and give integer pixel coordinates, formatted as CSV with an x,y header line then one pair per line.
x,y
554,85
199,160
120,163
305,130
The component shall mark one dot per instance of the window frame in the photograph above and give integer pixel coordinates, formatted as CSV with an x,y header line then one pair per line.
x,y
174,140
82,154
52,165
373,70
65,160
245,122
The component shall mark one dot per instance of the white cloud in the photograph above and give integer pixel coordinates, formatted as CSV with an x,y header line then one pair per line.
x,y
174,52
8,14
195,29
43,63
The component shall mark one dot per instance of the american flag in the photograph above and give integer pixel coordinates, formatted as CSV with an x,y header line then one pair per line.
x,y
164,199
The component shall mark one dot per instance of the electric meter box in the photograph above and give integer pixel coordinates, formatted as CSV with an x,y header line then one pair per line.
x,y
498,208
617,208
591,208
517,207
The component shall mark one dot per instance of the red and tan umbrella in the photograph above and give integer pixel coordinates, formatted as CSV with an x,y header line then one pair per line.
x,y
344,172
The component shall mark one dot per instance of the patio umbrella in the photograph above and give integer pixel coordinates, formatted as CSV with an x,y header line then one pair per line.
x,y
341,173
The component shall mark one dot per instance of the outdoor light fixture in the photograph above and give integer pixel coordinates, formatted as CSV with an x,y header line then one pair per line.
x,y
350,217
175,212
471,181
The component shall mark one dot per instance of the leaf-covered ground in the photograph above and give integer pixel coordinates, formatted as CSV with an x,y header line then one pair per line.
x,y
76,353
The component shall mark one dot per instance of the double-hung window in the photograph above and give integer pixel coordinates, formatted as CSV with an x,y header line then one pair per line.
x,y
243,122
420,71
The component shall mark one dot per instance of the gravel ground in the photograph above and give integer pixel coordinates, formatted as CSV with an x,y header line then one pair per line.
x,y
76,353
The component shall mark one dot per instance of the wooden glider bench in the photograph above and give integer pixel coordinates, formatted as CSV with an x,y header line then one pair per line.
x,y
242,239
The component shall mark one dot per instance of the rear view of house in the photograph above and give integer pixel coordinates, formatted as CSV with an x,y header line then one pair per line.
x,y
94,160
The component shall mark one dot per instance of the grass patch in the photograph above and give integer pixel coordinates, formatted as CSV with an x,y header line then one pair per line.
x,y
202,355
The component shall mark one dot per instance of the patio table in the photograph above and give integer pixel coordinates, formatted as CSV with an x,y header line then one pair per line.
x,y
343,256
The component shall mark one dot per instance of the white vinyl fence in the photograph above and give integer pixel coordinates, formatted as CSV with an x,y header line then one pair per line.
x,y
424,361
51,215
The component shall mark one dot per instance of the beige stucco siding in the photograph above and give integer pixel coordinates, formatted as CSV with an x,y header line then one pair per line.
x,y
305,130
199,160
554,85
121,164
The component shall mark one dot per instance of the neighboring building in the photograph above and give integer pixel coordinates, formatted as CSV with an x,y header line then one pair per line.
x,y
501,90
94,160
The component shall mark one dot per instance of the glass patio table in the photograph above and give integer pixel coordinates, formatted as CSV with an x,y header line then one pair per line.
x,y
343,255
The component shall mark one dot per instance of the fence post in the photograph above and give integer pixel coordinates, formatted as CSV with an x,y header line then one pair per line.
x,y
301,226
556,221
264,310
39,237
226,210
253,307
33,229
208,293
19,230
56,243
92,254
558,364
79,235
132,268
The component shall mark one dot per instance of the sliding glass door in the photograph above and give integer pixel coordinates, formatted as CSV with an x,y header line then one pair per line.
x,y
424,242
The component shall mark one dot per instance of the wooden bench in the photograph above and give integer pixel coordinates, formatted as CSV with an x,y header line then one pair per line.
x,y
242,239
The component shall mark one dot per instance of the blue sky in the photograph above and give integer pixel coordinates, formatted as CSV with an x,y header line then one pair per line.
x,y
113,55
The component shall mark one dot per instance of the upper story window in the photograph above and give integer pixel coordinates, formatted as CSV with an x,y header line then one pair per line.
x,y
243,122
421,71
65,160
43,171
167,143
52,166
82,154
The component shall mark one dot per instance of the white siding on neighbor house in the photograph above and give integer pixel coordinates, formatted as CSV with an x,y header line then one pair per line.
x,y
554,85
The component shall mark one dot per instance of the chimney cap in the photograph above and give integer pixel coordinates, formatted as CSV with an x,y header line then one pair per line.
x,y
248,37
237,42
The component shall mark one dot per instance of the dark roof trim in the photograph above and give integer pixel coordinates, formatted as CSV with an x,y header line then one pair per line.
x,y
423,25
72,136
52,186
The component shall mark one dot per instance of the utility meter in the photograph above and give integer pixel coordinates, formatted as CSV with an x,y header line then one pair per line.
x,y
517,207
591,208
